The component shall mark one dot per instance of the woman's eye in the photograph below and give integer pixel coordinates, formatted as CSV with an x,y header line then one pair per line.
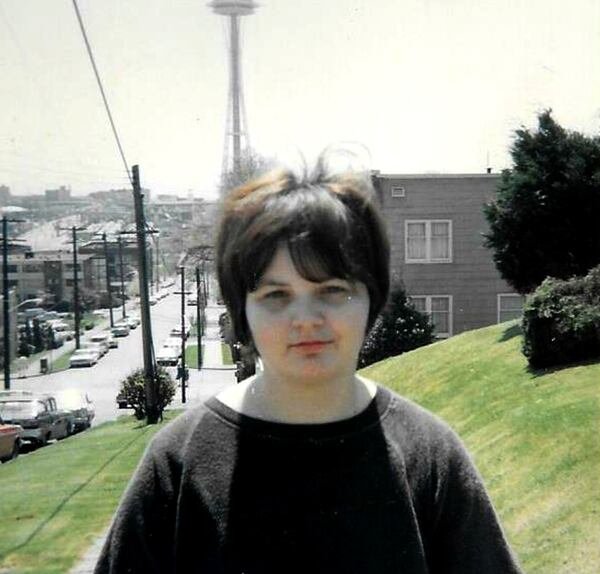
x,y
335,291
275,295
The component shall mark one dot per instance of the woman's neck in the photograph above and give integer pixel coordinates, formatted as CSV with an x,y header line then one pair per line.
x,y
271,399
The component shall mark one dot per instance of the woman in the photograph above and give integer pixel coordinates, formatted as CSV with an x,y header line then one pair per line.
x,y
306,467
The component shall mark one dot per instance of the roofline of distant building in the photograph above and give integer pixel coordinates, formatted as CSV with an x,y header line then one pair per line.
x,y
435,175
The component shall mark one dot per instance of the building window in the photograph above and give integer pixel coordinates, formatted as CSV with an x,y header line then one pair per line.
x,y
69,282
439,309
510,306
398,191
10,268
428,241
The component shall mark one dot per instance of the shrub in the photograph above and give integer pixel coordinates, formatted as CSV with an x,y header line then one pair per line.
x,y
561,321
133,392
398,329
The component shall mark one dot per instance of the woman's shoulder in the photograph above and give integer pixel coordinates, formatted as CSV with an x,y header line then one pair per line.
x,y
176,437
415,426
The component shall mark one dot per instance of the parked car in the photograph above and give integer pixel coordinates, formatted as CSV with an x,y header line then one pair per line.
x,y
84,358
79,405
101,347
120,330
176,332
132,321
192,301
168,356
37,414
153,300
173,342
58,325
105,338
10,441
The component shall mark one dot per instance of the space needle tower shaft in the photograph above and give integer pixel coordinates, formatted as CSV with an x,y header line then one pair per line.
x,y
236,131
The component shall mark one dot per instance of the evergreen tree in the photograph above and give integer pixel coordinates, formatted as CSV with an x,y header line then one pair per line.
x,y
24,349
38,337
544,220
398,329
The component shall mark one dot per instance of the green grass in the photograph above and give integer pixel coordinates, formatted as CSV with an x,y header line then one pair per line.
x,y
535,437
226,354
62,362
191,356
56,501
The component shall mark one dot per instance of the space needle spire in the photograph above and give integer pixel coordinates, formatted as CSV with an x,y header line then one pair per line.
x,y
236,129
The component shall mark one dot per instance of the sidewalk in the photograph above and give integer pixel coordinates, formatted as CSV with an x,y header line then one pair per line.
x,y
201,385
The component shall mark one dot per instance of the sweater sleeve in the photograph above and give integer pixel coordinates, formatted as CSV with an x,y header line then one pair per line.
x,y
467,536
141,537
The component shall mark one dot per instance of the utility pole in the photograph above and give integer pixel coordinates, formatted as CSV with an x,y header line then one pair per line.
x,y
199,318
183,371
149,366
120,242
5,299
76,311
108,290
157,263
76,289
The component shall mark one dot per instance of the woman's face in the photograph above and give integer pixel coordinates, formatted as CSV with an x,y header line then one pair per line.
x,y
303,330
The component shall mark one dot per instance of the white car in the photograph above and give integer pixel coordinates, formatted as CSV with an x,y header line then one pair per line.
x,y
79,405
176,332
105,338
84,358
132,321
120,330
101,348
174,343
167,356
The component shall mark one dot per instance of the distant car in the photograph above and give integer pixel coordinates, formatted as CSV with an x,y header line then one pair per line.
x,y
173,342
58,325
176,332
120,330
153,300
10,441
79,405
37,414
132,321
192,301
167,356
84,358
105,338
100,347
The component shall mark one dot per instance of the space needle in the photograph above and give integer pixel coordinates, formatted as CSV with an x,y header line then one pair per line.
x,y
236,129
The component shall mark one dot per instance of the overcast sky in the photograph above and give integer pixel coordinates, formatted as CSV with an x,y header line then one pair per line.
x,y
425,85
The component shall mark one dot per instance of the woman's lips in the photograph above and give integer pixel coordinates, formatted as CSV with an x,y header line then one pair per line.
x,y
308,347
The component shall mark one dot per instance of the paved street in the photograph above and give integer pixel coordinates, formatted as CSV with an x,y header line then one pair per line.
x,y
101,381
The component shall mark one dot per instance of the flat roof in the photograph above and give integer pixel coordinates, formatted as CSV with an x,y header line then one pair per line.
x,y
437,175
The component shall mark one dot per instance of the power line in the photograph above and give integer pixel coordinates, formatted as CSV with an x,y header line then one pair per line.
x,y
104,99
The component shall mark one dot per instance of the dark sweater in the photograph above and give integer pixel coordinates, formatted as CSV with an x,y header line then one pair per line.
x,y
390,490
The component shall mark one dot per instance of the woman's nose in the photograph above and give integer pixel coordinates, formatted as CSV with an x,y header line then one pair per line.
x,y
307,311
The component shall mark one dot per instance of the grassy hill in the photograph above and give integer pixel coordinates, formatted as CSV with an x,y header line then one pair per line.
x,y
535,437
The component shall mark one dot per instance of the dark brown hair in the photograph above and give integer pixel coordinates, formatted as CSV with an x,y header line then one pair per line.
x,y
330,224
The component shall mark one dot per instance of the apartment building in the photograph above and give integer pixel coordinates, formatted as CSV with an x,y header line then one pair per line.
x,y
436,225
33,274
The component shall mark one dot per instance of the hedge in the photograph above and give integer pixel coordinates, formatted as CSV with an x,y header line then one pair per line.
x,y
561,321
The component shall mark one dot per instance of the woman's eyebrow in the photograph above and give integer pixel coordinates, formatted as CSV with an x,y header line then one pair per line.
x,y
269,282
